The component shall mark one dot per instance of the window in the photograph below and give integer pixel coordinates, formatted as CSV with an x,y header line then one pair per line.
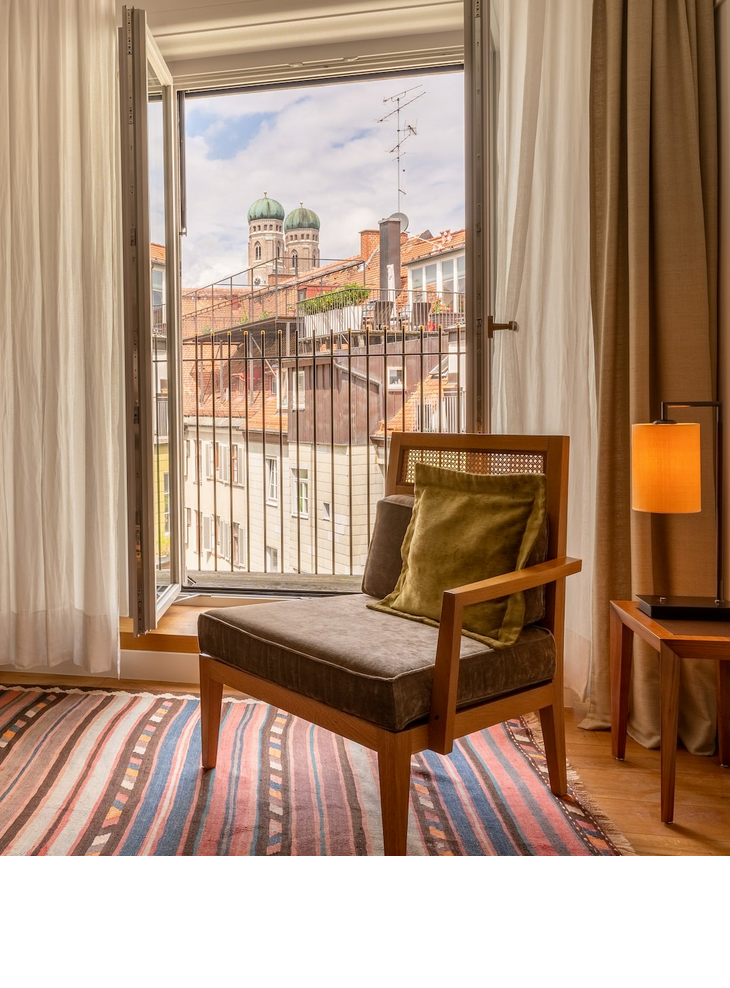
x,y
300,493
298,379
272,480
224,538
188,524
257,252
158,297
239,466
294,261
238,553
327,511
447,283
224,462
395,377
208,453
272,559
207,533
431,280
186,458
417,285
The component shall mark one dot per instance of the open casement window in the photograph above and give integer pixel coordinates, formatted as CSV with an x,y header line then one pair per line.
x,y
151,315
478,297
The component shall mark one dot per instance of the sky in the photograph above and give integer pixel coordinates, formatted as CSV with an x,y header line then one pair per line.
x,y
323,146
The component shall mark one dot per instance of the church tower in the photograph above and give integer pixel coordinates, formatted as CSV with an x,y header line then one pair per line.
x,y
301,232
265,240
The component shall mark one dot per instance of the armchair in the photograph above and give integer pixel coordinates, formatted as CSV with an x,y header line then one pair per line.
x,y
400,686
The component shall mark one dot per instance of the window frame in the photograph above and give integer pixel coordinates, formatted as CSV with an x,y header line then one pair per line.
x,y
272,473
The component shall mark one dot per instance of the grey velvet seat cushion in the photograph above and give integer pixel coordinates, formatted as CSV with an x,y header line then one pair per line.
x,y
364,662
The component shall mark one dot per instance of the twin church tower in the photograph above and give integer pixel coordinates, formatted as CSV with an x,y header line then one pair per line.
x,y
279,244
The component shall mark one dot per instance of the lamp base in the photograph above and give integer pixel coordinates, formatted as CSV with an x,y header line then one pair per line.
x,y
684,608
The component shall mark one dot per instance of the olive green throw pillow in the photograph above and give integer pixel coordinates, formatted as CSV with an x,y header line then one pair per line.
x,y
467,527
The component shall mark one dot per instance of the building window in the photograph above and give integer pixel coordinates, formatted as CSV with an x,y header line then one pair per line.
x,y
158,297
447,284
208,453
207,533
272,480
188,524
327,511
224,462
272,559
417,285
224,538
300,493
257,252
187,458
238,553
239,467
295,261
395,377
431,280
298,382
278,250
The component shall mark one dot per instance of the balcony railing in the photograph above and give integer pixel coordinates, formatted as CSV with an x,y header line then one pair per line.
x,y
286,428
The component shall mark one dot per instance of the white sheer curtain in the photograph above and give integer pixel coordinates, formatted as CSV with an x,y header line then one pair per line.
x,y
543,380
59,335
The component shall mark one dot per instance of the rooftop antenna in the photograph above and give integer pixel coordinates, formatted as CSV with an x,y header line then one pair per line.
x,y
401,100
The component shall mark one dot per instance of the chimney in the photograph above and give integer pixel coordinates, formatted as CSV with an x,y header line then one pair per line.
x,y
369,240
390,278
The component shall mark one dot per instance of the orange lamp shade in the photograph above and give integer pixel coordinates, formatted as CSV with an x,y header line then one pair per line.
x,y
665,468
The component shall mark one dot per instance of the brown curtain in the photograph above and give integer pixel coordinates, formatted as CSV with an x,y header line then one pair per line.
x,y
653,283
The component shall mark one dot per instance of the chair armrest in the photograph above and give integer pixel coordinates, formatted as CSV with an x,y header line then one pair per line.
x,y
446,669
519,579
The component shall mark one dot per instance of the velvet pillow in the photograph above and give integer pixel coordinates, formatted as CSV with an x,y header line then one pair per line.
x,y
465,528
384,563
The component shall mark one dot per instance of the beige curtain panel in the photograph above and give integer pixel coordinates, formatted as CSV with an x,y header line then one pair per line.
x,y
653,287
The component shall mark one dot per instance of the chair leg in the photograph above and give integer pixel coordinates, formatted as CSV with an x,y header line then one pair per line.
x,y
394,769
211,699
552,720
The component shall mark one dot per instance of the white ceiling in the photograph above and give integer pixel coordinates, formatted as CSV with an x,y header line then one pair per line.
x,y
216,43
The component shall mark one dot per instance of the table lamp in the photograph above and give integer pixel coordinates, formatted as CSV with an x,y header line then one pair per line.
x,y
666,479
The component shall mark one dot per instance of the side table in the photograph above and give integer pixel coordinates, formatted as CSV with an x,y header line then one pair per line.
x,y
673,640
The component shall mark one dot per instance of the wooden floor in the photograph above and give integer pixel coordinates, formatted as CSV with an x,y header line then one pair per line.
x,y
627,792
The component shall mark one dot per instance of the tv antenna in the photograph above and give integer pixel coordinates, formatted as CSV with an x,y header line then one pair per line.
x,y
408,130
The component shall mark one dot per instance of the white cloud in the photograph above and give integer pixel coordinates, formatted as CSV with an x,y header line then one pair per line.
x,y
323,146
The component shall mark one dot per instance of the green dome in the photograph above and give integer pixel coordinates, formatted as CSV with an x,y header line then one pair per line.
x,y
265,209
301,219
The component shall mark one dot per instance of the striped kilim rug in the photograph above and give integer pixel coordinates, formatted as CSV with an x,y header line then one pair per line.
x,y
103,772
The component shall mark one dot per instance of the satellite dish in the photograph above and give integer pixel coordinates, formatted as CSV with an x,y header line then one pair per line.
x,y
402,219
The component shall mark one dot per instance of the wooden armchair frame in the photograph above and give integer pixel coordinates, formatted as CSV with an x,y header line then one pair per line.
x,y
471,453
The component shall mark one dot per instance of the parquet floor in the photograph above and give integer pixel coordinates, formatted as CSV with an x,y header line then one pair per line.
x,y
627,792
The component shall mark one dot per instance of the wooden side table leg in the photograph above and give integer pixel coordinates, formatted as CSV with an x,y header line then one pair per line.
x,y
669,711
621,648
723,711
